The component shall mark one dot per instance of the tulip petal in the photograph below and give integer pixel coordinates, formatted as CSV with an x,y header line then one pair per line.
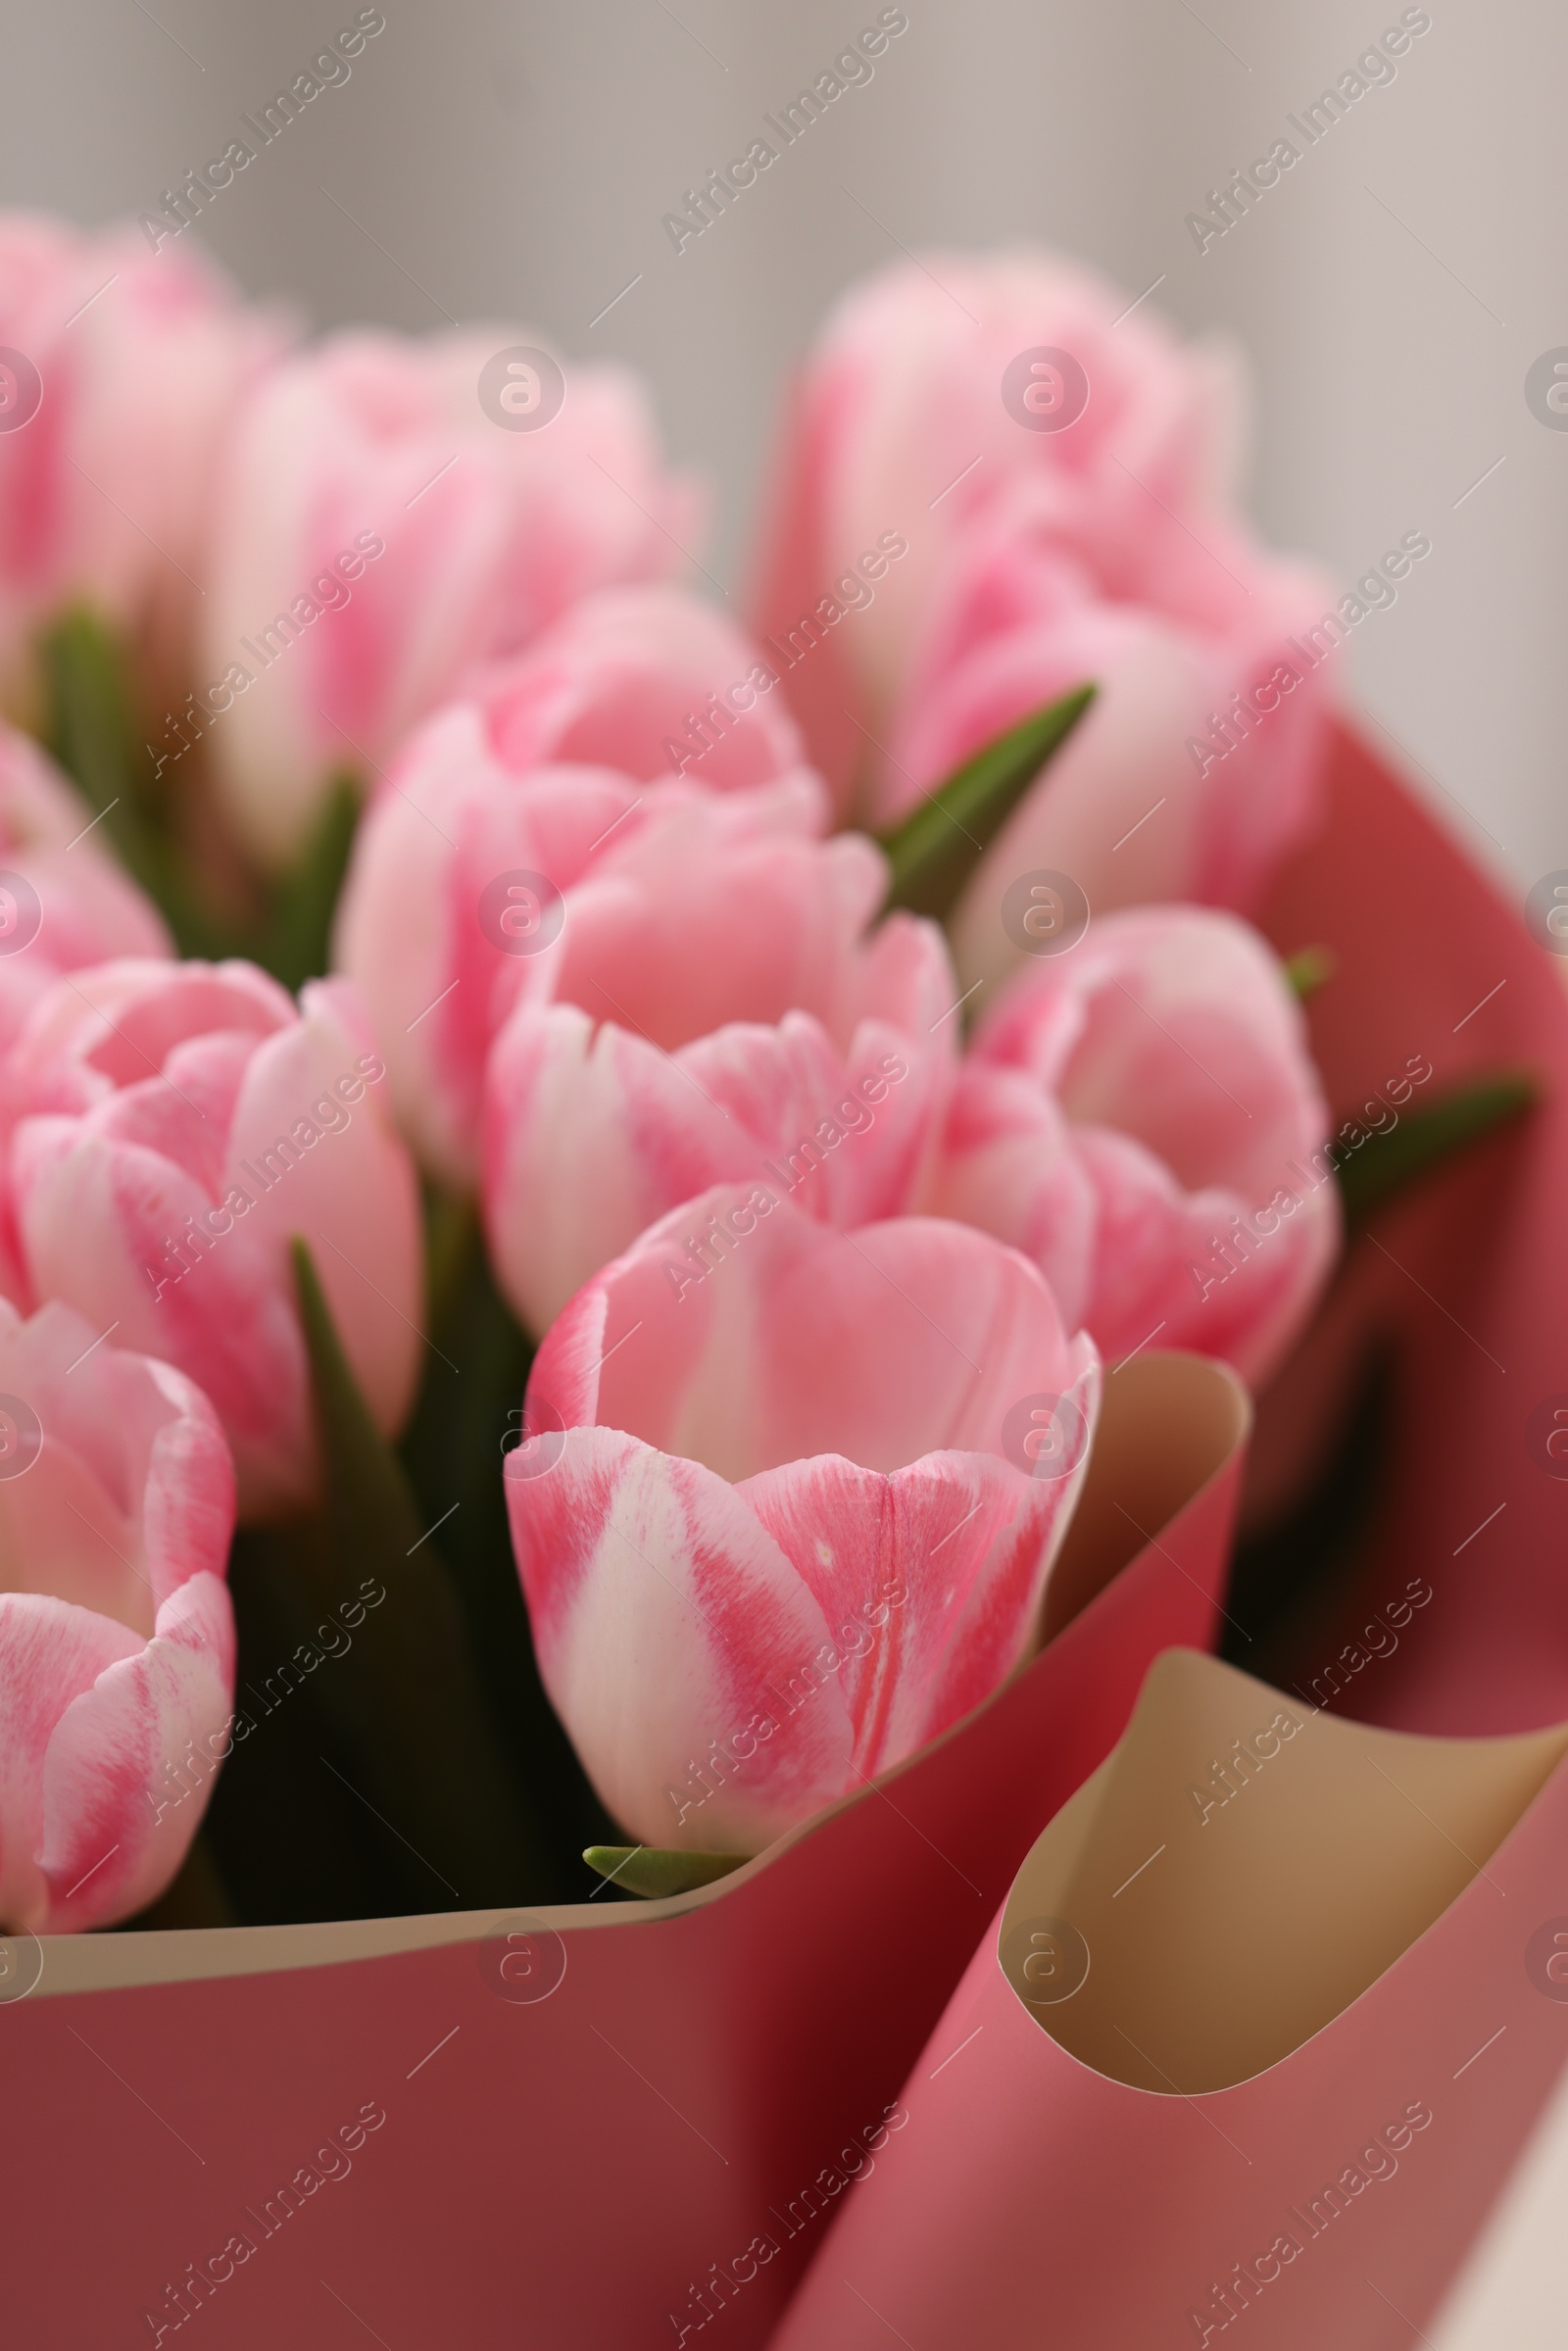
x,y
329,1169
619,678
906,1337
778,1519
662,1614
96,1222
930,1580
1141,1117
681,930
590,1134
1008,1164
117,1635
478,539
160,1169
116,1822
1208,1270
50,1654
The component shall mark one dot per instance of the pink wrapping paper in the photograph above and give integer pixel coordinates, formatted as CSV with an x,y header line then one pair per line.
x,y
565,2154
1467,1277
1027,2198
566,2157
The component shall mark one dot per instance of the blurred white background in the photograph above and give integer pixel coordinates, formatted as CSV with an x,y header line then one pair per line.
x,y
489,162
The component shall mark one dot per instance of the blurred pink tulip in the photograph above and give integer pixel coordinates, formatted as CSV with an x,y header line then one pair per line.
x,y
117,1637
64,902
781,1522
1140,1115
649,680
719,1008
1164,790
119,371
933,388
440,951
178,1125
380,529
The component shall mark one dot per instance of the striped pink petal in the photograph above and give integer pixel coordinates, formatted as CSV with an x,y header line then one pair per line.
x,y
786,1504
117,1637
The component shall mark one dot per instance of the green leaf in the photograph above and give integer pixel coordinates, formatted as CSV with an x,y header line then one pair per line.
x,y
1309,969
1292,1574
90,727
93,729
455,1444
937,848
406,1701
1429,1137
454,1253
654,1871
294,946
363,1483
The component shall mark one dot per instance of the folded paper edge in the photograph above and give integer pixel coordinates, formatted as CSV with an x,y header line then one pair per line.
x,y
167,1955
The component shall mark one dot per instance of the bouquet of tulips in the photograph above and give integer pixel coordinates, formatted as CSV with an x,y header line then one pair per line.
x,y
638,1245
576,1170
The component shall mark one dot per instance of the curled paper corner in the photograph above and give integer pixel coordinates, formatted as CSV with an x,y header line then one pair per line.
x,y
1279,1859
1168,1423
1284,1986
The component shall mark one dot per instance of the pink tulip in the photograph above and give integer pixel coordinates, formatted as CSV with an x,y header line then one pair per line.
x,y
64,903
135,360
908,424
117,1637
380,532
426,928
532,770
180,1123
75,904
781,1522
1199,766
718,1010
651,681
1140,1117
